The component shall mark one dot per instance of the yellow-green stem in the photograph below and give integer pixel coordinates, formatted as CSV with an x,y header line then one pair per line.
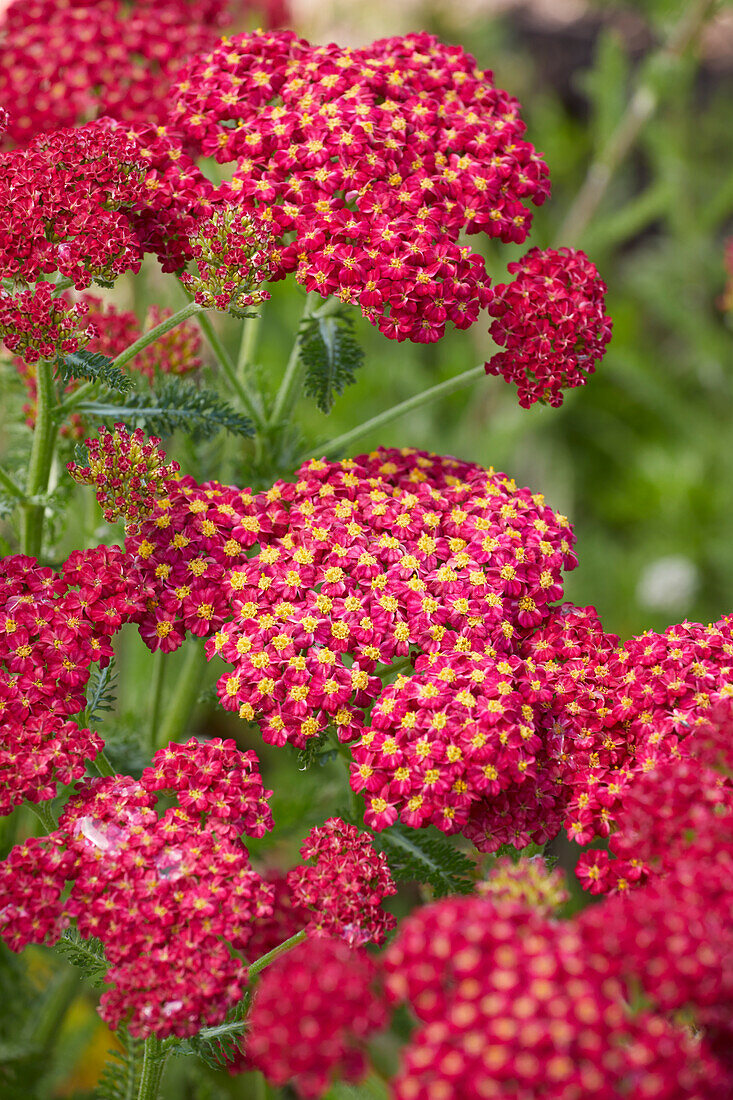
x,y
39,468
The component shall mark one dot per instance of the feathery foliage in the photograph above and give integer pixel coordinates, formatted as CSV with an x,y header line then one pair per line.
x,y
94,367
120,1077
331,355
101,692
428,858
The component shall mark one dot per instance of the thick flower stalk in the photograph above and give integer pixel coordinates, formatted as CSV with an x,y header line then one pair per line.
x,y
128,472
344,890
161,892
551,321
367,165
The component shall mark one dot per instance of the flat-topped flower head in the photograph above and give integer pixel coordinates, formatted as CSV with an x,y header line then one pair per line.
x,y
367,165
552,323
128,472
75,218
345,887
36,325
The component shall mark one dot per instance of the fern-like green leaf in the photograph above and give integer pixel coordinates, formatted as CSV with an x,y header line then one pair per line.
x,y
95,368
429,858
88,955
101,693
216,1046
174,405
330,355
120,1078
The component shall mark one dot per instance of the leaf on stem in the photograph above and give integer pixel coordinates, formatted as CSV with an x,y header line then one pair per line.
x,y
95,368
414,855
87,955
101,693
121,1075
175,405
330,356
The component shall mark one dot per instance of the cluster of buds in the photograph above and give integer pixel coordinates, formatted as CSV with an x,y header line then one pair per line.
x,y
128,472
233,257
345,888
160,892
528,882
53,628
552,322
36,325
376,159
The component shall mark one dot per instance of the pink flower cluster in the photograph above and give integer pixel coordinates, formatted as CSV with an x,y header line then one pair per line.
x,y
510,1004
63,62
35,325
621,711
53,627
161,893
128,472
552,322
65,205
345,888
367,165
313,1011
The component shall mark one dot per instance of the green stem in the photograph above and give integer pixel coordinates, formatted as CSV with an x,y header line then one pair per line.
x,y
155,1056
191,309
76,398
44,441
248,343
159,667
265,960
342,442
183,699
248,400
641,107
10,486
287,395
101,766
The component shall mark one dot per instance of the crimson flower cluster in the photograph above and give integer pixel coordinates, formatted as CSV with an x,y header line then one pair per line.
x,y
552,323
128,472
65,204
510,1004
621,711
161,893
63,62
345,888
313,1011
36,325
367,165
53,627
672,935
362,563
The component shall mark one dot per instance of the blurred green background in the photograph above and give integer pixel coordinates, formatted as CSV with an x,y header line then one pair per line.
x,y
640,459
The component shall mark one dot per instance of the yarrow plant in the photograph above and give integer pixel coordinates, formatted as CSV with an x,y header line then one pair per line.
x,y
388,628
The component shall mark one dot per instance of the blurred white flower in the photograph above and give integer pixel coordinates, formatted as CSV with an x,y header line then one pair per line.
x,y
668,584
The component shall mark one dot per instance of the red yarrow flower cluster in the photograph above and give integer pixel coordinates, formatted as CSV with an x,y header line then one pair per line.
x,y
161,893
509,1004
367,165
345,888
63,62
233,258
128,472
36,325
53,628
552,322
313,1011
65,205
